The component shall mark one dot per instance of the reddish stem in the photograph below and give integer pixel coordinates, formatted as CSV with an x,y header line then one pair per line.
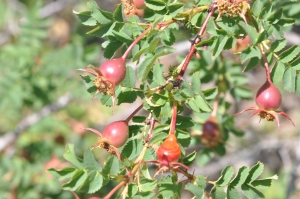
x,y
195,42
135,42
94,131
215,108
133,113
266,65
88,71
174,117
109,195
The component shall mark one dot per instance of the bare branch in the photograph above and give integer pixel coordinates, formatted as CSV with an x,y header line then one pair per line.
x,y
55,7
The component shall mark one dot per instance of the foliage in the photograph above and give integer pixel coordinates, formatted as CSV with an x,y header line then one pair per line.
x,y
261,21
252,33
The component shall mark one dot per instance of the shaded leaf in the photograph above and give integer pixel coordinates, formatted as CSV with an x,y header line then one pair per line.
x,y
90,163
251,192
232,193
77,180
226,176
69,155
241,177
289,79
196,190
289,54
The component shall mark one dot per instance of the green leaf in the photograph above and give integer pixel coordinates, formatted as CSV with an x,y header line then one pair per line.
x,y
220,149
241,177
111,49
138,55
296,63
276,16
155,4
220,45
257,7
77,180
184,122
158,138
249,53
93,183
147,184
286,22
232,193
168,187
159,100
174,8
289,54
186,89
278,45
289,79
103,17
127,96
69,155
210,93
86,18
264,183
242,92
118,13
64,173
252,32
144,168
104,30
132,189
196,190
111,166
189,159
129,80
132,149
277,72
262,36
226,176
298,85
211,27
168,37
158,75
163,50
153,44
202,103
251,64
218,193
90,163
251,192
200,181
122,36
192,104
145,68
266,12
204,156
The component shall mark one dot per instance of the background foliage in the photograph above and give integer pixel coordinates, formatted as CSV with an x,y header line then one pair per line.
x,y
39,50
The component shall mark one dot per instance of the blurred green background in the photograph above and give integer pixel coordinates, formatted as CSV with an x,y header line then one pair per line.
x,y
44,104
